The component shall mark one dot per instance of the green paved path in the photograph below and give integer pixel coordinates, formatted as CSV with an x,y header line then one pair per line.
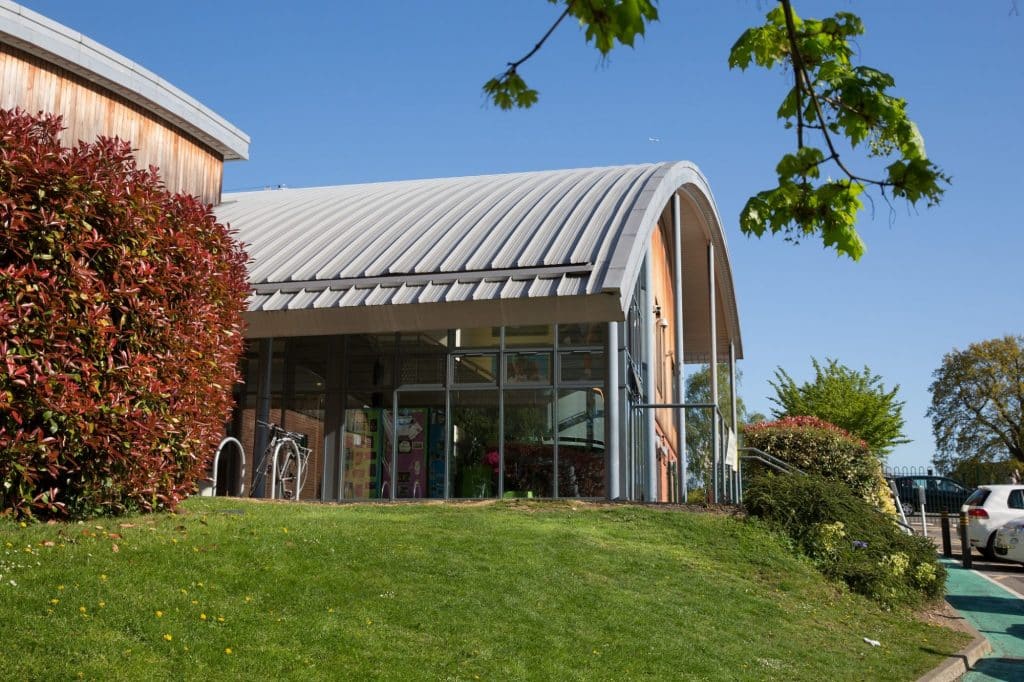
x,y
997,614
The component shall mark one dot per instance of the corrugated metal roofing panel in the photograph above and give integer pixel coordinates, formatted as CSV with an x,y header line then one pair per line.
x,y
497,237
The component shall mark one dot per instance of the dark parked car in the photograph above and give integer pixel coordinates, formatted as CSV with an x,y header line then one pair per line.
x,y
940,493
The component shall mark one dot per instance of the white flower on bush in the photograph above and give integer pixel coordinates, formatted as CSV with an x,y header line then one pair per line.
x,y
896,564
925,574
828,537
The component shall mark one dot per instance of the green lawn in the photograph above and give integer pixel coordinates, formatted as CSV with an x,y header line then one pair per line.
x,y
231,589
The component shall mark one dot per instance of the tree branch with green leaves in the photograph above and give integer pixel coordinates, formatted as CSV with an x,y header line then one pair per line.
x,y
836,108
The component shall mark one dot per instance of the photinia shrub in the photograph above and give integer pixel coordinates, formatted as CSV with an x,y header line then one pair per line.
x,y
120,328
848,539
817,447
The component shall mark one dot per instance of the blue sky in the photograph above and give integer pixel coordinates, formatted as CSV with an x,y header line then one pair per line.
x,y
343,92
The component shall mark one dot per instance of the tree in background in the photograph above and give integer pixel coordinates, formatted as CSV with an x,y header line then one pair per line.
x,y
977,409
857,402
698,421
835,108
120,328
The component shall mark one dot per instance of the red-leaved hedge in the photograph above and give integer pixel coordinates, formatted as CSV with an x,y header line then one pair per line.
x,y
120,328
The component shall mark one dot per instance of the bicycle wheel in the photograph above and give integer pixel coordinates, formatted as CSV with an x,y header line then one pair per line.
x,y
288,477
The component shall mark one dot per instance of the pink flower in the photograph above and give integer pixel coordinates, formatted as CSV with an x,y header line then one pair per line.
x,y
492,459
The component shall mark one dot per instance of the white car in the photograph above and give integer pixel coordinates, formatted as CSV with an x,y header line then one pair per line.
x,y
989,508
1009,542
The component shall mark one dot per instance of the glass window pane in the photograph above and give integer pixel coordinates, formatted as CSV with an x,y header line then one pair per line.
x,y
424,342
476,369
421,369
528,368
584,334
419,460
361,454
588,366
473,471
479,337
529,444
306,382
581,452
530,336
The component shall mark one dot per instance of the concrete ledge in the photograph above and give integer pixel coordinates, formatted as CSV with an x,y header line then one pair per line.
x,y
957,665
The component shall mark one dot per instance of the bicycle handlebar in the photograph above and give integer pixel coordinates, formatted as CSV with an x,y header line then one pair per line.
x,y
279,432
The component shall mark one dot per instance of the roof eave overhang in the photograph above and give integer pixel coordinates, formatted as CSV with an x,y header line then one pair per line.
x,y
431,316
57,44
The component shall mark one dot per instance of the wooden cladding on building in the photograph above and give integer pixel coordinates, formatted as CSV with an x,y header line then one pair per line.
x,y
89,111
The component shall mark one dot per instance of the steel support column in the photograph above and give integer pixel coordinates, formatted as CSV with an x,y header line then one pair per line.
x,y
650,385
612,412
734,474
713,377
265,369
679,377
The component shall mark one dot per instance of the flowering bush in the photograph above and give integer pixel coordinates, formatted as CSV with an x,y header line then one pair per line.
x,y
816,446
848,539
120,328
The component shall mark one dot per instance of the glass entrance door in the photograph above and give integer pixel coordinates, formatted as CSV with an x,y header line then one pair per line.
x,y
415,437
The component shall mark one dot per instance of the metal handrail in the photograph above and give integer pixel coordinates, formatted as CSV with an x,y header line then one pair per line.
x,y
780,465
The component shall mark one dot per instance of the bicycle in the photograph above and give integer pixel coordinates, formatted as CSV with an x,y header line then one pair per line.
x,y
284,460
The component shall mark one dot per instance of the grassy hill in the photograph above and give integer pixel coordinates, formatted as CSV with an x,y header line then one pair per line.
x,y
232,589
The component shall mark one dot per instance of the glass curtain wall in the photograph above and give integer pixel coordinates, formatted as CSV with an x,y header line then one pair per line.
x,y
464,413
635,380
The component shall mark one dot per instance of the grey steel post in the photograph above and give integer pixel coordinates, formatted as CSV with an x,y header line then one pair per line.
x,y
611,411
266,364
734,475
713,373
677,313
449,428
650,385
394,443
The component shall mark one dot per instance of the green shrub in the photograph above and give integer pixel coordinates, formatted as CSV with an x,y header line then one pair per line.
x,y
120,328
817,447
848,539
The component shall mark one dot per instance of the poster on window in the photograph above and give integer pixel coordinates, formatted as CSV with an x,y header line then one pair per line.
x,y
410,433
362,448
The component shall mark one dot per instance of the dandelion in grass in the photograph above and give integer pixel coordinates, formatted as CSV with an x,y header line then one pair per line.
x,y
82,609
159,614
168,636
202,616
220,619
55,601
228,651
103,576
103,604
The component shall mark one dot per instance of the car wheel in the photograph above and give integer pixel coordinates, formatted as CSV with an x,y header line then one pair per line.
x,y
989,552
908,509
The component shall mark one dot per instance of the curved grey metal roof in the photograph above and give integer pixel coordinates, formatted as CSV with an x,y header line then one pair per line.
x,y
57,44
574,238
